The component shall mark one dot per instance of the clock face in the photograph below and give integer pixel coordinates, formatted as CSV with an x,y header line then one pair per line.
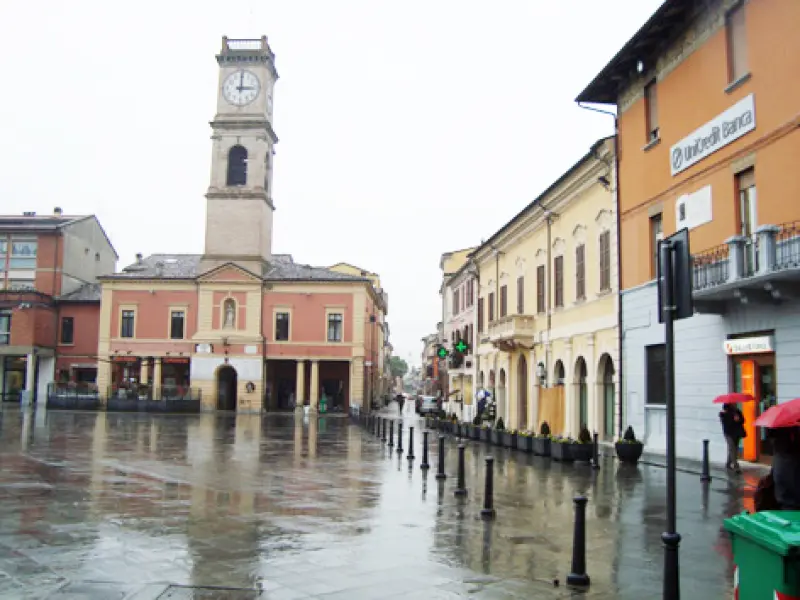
x,y
240,88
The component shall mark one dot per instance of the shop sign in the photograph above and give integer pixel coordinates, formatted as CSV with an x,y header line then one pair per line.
x,y
126,359
720,131
173,360
751,345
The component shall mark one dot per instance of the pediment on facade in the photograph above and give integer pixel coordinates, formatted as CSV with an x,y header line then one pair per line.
x,y
520,264
604,219
559,245
541,254
228,273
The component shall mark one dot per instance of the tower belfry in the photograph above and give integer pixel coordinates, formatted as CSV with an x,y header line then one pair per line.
x,y
239,199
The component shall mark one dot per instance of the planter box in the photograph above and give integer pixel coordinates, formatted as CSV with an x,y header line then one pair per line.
x,y
561,452
122,405
541,446
486,434
629,452
497,437
510,440
582,452
476,432
525,443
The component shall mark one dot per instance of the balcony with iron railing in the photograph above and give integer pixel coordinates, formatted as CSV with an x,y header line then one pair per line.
x,y
512,330
764,267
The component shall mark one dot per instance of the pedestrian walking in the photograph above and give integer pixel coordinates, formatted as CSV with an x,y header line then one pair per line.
x,y
732,421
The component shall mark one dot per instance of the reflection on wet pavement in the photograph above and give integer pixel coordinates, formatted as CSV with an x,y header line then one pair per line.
x,y
153,506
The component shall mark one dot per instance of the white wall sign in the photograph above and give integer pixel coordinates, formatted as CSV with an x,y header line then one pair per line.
x,y
251,349
751,345
720,131
693,210
204,349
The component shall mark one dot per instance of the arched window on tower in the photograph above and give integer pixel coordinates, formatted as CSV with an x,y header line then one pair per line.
x,y
237,166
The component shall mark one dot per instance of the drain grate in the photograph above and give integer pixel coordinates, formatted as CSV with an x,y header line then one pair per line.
x,y
182,592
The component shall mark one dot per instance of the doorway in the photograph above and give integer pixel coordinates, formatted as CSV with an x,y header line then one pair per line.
x,y
522,393
755,374
226,388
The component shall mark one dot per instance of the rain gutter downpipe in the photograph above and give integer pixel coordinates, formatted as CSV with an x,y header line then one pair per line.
x,y
619,260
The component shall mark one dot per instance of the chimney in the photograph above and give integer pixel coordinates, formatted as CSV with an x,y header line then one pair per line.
x,y
139,258
29,214
57,211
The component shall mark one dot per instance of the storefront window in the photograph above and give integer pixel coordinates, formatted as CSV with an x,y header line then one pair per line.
x,y
5,327
14,368
175,377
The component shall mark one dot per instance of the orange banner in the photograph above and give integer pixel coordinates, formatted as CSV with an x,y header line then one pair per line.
x,y
750,385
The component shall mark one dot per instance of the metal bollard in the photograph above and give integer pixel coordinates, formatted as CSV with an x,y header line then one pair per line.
x,y
488,513
461,487
400,438
440,475
578,574
706,476
424,466
391,434
410,444
595,453
383,430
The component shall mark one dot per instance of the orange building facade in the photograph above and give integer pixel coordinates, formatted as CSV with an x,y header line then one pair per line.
x,y
708,110
238,327
49,302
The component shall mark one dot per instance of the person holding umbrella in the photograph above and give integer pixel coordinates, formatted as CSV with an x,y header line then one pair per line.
x,y
732,421
780,490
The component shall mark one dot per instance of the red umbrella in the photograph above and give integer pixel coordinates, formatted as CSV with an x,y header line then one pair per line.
x,y
734,398
786,414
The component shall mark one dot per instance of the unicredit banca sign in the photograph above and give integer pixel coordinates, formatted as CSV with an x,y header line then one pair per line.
x,y
720,131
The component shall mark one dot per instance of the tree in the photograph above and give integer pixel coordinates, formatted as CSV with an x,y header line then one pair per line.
x,y
399,366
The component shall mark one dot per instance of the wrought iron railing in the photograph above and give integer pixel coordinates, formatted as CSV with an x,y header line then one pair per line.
x,y
787,246
146,392
710,267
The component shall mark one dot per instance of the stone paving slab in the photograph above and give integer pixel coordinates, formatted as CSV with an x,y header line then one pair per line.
x,y
144,507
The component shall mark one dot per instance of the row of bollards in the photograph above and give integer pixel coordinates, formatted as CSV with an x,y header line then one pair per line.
x,y
577,575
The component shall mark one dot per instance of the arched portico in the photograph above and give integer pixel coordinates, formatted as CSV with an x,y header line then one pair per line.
x,y
582,392
522,393
607,391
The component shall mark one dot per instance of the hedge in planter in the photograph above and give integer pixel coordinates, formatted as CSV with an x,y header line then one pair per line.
x,y
510,439
525,441
561,449
541,442
629,449
486,433
584,446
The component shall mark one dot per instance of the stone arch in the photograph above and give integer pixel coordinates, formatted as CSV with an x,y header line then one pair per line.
x,y
606,376
522,393
558,373
226,383
582,391
237,166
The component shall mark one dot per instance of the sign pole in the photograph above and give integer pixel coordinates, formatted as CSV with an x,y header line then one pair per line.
x,y
671,537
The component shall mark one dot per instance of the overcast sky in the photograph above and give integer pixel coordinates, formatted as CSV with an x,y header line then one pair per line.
x,y
407,128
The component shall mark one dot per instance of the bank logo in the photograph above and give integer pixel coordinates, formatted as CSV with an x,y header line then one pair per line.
x,y
677,158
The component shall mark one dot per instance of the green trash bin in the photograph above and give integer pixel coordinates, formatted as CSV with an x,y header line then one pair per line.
x,y
323,405
766,552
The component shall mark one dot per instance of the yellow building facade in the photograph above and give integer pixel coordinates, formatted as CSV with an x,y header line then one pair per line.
x,y
548,312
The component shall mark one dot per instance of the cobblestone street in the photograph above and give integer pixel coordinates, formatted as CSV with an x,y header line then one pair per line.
x,y
136,506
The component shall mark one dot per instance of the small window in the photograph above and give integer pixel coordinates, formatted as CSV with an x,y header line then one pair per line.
x,y
651,108
177,323
503,301
23,254
605,261
580,272
237,166
737,43
480,315
656,369
520,295
540,303
67,330
127,324
558,275
455,302
491,307
5,327
282,327
335,326
656,235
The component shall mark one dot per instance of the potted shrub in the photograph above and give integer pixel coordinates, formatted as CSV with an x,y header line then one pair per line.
x,y
525,441
561,448
541,442
486,433
629,449
583,449
510,439
498,431
476,428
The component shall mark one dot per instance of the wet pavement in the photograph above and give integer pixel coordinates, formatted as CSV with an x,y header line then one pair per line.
x,y
223,506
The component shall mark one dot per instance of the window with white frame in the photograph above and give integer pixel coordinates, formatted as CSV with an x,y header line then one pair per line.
x,y
335,327
23,253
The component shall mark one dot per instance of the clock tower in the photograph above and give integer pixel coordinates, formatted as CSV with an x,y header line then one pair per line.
x,y
239,200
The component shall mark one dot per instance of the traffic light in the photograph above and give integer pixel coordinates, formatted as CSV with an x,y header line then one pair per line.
x,y
442,352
